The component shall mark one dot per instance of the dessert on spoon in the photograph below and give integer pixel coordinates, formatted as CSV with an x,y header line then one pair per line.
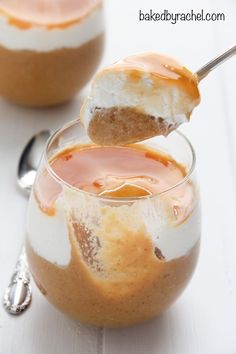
x,y
142,96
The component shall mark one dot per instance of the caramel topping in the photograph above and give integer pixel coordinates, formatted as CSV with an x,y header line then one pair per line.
x,y
60,14
127,191
116,172
23,25
160,68
129,171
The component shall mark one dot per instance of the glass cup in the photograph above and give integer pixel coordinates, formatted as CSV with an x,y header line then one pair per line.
x,y
49,49
112,261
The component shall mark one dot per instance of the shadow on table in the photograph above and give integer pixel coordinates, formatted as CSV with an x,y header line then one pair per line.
x,y
51,332
151,337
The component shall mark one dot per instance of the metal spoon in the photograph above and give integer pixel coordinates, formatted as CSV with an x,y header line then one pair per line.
x,y
18,294
206,69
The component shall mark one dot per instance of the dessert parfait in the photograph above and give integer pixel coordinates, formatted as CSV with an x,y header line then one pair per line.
x,y
113,230
48,49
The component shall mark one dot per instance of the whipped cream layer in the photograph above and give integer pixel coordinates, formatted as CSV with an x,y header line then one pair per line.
x,y
173,240
49,235
42,39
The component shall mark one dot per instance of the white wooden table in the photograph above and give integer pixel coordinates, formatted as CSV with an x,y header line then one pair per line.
x,y
203,321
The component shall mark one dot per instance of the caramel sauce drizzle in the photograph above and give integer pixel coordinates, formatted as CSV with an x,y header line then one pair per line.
x,y
160,68
24,24
118,172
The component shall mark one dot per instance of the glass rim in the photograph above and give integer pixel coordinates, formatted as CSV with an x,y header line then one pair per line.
x,y
61,181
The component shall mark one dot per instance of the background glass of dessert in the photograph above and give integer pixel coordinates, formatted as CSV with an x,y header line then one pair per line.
x,y
49,49
113,232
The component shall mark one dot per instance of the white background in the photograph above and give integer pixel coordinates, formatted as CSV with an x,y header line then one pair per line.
x,y
203,321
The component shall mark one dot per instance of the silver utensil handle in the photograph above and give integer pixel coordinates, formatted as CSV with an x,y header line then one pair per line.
x,y
206,69
18,294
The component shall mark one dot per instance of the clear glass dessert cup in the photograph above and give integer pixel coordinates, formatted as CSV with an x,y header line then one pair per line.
x,y
49,50
109,261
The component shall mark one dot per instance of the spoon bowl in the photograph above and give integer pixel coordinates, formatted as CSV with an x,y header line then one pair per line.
x,y
30,159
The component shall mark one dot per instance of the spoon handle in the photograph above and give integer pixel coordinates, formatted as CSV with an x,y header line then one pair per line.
x,y
18,294
204,71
